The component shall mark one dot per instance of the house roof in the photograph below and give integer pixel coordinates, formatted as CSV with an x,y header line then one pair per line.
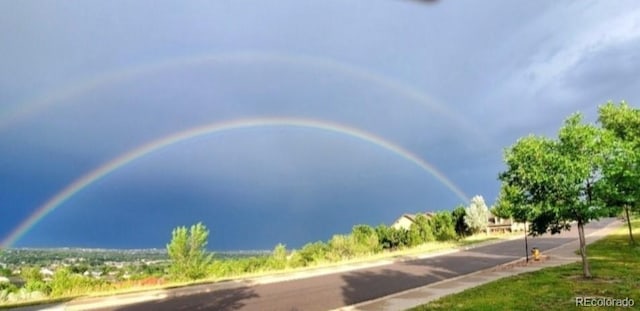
x,y
412,217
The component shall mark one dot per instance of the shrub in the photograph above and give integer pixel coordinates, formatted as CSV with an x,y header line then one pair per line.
x,y
30,274
8,287
278,258
310,253
65,283
384,236
341,247
443,226
422,231
38,286
366,240
461,227
187,250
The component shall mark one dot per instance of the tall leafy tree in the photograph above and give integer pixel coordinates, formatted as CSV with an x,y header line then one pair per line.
x,y
477,214
188,252
458,214
552,182
620,186
502,208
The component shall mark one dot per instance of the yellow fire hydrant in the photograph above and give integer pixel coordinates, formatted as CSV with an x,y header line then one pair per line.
x,y
535,252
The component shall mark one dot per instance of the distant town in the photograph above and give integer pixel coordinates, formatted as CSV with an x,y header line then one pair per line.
x,y
108,264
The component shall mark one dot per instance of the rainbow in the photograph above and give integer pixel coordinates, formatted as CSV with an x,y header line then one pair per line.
x,y
211,128
89,84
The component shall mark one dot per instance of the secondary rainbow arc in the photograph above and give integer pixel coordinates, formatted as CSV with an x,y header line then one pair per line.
x,y
89,84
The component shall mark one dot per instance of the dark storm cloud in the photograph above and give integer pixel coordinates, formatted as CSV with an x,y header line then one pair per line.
x,y
454,82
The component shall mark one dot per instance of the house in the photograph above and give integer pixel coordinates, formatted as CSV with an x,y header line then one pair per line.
x,y
503,225
46,272
94,274
406,220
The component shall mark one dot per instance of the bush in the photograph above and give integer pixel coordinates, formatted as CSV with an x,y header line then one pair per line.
x,y
384,236
65,283
30,274
365,239
422,231
414,236
5,272
341,247
400,237
309,254
239,266
443,226
460,226
8,287
254,264
392,238
224,268
38,286
278,259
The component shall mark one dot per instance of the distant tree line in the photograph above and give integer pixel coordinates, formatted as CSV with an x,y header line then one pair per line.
x,y
191,261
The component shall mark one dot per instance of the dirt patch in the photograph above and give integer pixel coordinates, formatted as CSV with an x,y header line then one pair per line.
x,y
521,263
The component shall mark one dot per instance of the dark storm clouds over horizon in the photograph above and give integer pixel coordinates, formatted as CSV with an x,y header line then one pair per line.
x,y
487,73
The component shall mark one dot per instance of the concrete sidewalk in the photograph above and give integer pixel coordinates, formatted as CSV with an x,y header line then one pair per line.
x,y
558,256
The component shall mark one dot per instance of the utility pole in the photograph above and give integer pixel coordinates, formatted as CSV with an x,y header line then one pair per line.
x,y
526,245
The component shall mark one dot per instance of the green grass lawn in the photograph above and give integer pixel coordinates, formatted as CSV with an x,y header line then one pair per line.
x,y
615,266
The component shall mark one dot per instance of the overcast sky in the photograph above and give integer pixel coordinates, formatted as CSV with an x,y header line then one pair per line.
x,y
454,82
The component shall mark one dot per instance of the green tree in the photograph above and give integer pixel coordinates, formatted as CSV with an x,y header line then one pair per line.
x,y
502,207
458,214
477,215
442,224
620,185
188,254
551,182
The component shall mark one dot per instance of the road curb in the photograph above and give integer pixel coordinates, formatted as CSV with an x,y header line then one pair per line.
x,y
615,224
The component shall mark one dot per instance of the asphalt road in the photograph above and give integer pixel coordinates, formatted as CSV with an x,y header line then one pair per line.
x,y
347,288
